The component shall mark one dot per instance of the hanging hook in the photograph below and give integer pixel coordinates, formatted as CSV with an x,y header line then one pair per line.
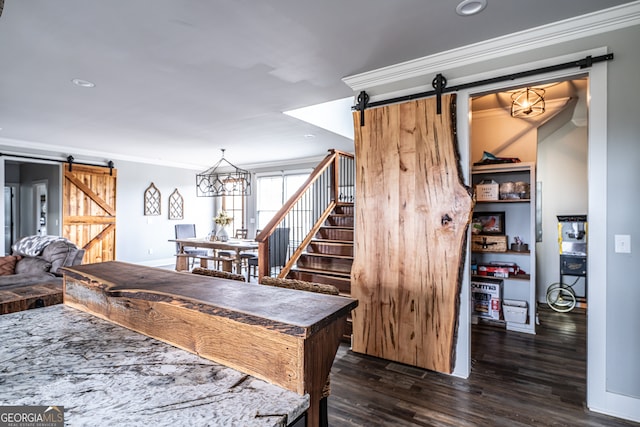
x,y
363,100
439,83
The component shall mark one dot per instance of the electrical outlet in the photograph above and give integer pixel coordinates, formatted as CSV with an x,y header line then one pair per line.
x,y
150,251
622,243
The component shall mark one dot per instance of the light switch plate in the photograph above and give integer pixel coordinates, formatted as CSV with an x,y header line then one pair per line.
x,y
622,243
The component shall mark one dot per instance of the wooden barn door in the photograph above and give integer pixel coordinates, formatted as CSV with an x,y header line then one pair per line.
x,y
89,211
412,213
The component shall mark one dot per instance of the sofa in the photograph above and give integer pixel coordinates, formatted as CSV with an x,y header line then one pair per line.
x,y
30,277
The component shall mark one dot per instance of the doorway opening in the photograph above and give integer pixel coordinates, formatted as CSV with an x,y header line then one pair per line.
x,y
40,206
32,202
556,144
11,218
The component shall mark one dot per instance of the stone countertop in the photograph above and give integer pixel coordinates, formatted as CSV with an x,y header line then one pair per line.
x,y
104,374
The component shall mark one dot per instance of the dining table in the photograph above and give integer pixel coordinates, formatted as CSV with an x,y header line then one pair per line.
x,y
235,245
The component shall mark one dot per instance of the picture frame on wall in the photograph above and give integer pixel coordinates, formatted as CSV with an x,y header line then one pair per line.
x,y
488,223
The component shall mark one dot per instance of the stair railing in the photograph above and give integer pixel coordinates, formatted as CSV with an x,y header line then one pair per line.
x,y
284,238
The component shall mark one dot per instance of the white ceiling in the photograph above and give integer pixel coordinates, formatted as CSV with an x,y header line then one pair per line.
x,y
176,80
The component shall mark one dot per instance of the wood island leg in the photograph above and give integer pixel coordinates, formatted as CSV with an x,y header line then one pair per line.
x,y
182,262
313,413
320,351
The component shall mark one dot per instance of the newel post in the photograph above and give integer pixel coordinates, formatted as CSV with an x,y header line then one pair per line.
x,y
264,269
335,177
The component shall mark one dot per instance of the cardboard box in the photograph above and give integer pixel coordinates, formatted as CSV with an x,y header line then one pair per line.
x,y
486,297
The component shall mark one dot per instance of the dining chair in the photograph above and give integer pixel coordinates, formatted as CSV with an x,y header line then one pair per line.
x,y
241,233
278,251
186,231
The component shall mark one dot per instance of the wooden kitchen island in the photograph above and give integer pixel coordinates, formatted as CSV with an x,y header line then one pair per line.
x,y
285,337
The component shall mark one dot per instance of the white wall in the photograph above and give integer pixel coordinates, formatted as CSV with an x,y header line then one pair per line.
x,y
137,234
562,171
623,205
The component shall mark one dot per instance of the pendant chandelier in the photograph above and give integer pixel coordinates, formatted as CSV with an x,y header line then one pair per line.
x,y
223,179
528,102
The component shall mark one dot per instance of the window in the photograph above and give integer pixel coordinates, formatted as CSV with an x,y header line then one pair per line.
x,y
273,191
234,205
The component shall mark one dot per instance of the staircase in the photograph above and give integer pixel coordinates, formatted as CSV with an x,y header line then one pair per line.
x,y
328,257
318,218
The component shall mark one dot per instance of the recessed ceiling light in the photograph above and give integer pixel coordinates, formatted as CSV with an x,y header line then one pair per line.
x,y
470,7
83,83
309,135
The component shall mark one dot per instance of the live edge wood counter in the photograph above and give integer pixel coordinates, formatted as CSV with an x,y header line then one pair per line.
x,y
285,337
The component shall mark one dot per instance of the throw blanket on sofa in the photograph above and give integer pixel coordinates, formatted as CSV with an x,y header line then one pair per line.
x,y
33,245
45,254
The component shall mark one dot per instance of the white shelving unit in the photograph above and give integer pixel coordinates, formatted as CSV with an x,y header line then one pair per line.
x,y
519,221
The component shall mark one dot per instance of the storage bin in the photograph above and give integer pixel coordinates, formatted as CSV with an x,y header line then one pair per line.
x,y
487,190
488,243
514,311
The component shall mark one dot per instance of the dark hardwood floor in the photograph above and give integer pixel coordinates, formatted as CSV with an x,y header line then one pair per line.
x,y
517,380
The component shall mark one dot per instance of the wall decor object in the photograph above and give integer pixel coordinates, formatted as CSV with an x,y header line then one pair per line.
x,y
488,223
176,205
152,198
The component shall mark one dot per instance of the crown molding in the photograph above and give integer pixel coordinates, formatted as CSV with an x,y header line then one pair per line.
x,y
60,152
55,153
578,27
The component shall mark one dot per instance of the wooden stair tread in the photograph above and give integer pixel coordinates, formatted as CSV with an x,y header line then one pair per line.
x,y
336,274
332,242
329,254
322,255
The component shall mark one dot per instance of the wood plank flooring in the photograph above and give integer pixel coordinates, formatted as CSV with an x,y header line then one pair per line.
x,y
516,380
